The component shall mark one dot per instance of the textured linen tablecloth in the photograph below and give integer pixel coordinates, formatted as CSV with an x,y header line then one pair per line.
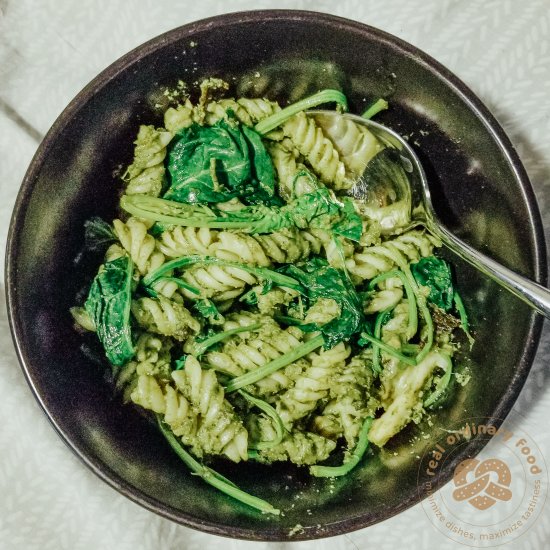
x,y
49,50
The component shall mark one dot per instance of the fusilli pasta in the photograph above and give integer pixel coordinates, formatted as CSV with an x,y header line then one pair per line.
x,y
145,176
403,249
164,316
320,153
312,385
271,341
281,346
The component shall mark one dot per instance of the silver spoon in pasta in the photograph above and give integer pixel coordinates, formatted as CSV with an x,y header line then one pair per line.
x,y
392,184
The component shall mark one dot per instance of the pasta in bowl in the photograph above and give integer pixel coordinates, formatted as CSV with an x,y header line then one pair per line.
x,y
257,308
76,177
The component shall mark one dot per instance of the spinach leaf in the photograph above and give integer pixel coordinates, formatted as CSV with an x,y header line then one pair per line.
x,y
207,309
320,280
317,209
435,274
179,364
263,170
98,234
108,304
250,297
350,224
217,163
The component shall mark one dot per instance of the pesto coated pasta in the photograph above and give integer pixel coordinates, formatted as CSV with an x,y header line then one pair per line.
x,y
253,304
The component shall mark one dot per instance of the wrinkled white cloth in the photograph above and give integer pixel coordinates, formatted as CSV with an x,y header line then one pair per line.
x,y
49,50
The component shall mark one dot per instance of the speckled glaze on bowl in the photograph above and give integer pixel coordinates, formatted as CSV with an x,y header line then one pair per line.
x,y
480,189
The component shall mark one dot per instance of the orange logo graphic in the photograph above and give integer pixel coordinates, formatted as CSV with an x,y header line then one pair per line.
x,y
480,491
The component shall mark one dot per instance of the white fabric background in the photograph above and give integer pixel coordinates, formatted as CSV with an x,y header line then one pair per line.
x,y
49,50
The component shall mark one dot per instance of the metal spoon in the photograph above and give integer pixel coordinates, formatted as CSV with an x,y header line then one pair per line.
x,y
533,294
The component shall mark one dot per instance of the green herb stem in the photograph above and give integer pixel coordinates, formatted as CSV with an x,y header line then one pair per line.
x,y
357,455
380,320
199,348
170,212
430,331
389,349
174,213
425,312
374,108
395,256
272,413
214,478
273,366
325,96
410,348
465,325
447,365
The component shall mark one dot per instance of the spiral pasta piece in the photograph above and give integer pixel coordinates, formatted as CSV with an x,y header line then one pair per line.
x,y
238,356
318,150
350,400
355,144
141,246
145,176
186,241
284,246
402,389
299,448
217,282
164,316
293,177
383,300
179,117
152,357
219,430
196,411
406,248
247,111
312,385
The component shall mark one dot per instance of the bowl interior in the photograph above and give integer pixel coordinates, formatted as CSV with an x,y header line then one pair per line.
x,y
480,190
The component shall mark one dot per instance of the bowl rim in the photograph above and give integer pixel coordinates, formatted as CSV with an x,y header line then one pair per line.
x,y
187,31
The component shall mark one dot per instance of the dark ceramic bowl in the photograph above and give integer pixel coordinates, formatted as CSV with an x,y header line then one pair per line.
x,y
481,191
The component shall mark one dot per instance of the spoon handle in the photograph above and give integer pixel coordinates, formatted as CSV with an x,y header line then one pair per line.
x,y
533,294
